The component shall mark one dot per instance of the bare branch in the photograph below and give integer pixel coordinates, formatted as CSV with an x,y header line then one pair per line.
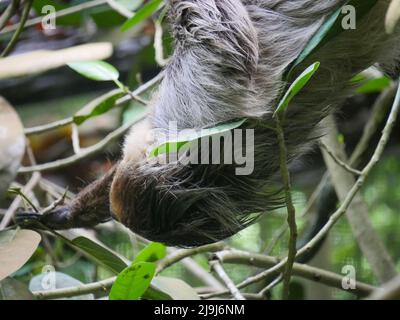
x,y
8,13
339,161
61,13
219,270
390,291
100,286
75,139
357,212
178,255
64,122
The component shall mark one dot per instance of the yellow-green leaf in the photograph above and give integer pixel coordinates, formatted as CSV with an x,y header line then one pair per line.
x,y
133,282
95,70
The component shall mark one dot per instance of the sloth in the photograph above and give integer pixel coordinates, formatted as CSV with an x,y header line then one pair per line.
x,y
229,62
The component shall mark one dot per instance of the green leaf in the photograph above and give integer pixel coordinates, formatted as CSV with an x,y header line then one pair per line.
x,y
98,106
16,247
145,12
340,138
166,288
296,86
152,253
95,70
330,29
192,135
94,250
133,282
374,85
101,253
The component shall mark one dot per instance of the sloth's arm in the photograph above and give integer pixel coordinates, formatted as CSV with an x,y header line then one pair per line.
x,y
90,207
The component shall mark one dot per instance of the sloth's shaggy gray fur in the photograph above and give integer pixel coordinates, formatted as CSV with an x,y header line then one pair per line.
x,y
228,63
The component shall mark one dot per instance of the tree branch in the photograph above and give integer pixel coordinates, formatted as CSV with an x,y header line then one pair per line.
x,y
219,270
291,212
301,270
357,213
15,37
181,254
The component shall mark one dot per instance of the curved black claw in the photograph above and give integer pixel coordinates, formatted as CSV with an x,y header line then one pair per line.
x,y
29,219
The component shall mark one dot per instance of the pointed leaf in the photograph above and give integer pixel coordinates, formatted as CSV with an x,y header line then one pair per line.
x,y
153,252
296,86
374,85
330,29
95,70
191,135
101,253
132,282
145,12
94,249
98,106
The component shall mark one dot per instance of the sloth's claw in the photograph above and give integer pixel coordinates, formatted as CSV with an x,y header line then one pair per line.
x,y
27,219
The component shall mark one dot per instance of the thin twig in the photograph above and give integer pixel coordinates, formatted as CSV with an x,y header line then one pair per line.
x,y
54,205
271,285
49,126
75,139
15,37
219,270
275,239
59,14
64,122
33,181
181,254
302,270
379,111
339,161
99,286
85,153
369,241
8,13
291,211
89,151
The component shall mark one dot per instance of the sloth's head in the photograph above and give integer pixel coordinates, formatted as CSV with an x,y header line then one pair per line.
x,y
181,205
